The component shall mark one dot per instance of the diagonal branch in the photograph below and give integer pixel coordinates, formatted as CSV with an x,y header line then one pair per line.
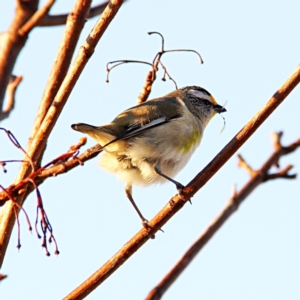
x,y
177,202
257,178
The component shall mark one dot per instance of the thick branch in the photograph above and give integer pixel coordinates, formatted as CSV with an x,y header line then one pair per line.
x,y
177,201
257,177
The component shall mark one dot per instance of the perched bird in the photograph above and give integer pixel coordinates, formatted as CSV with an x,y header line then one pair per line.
x,y
151,142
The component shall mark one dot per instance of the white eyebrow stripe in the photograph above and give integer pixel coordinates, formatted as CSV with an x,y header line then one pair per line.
x,y
202,95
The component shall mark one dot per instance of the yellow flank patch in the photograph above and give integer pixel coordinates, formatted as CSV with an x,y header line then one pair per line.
x,y
187,143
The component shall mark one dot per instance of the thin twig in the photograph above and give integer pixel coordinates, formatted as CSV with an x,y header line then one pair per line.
x,y
16,143
2,276
177,202
243,164
16,204
44,222
257,178
151,75
11,96
117,63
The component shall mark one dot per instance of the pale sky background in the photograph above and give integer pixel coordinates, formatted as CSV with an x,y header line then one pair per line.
x,y
249,48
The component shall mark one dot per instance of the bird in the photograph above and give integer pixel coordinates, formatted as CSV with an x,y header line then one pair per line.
x,y
151,142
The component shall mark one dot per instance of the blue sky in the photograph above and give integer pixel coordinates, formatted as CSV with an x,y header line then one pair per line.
x,y
249,49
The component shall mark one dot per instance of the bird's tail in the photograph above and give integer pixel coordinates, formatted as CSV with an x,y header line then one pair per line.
x,y
100,135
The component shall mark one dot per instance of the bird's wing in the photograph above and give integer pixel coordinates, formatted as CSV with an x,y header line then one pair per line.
x,y
138,129
160,111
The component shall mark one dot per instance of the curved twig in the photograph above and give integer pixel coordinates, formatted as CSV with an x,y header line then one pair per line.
x,y
151,76
117,63
186,50
162,39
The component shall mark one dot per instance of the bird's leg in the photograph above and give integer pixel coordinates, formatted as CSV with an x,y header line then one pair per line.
x,y
128,191
179,186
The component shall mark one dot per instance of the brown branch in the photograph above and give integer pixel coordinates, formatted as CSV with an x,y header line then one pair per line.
x,y
281,174
257,177
7,217
177,202
146,89
35,18
243,164
74,26
54,20
11,95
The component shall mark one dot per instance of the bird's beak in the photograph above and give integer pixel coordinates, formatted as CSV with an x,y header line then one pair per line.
x,y
219,109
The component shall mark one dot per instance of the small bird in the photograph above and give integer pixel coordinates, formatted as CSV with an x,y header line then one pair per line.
x,y
151,142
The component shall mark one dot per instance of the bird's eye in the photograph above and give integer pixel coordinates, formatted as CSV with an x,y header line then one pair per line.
x,y
206,102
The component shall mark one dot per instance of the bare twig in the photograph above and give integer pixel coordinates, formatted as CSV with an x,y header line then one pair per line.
x,y
281,174
44,221
146,90
243,164
2,276
15,142
257,177
16,204
10,94
4,162
177,202
151,75
36,17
